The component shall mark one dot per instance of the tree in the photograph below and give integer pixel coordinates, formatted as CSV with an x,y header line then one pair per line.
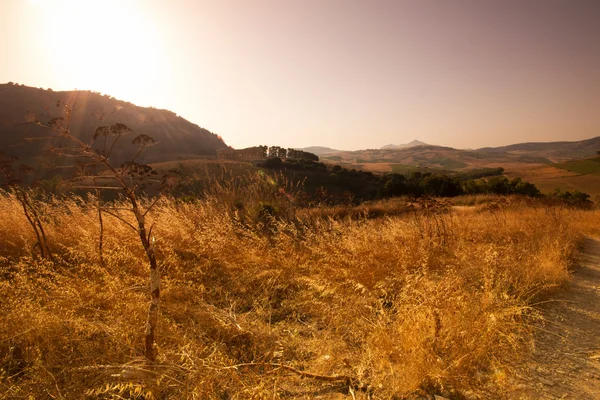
x,y
498,185
93,163
524,188
441,186
277,151
301,155
273,151
395,185
264,150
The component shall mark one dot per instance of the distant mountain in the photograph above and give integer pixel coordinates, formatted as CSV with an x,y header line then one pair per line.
x,y
557,151
179,138
422,155
414,143
427,156
319,150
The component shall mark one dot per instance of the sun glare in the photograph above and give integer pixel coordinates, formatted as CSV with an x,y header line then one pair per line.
x,y
106,46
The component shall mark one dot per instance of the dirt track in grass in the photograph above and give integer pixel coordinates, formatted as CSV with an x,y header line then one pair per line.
x,y
566,361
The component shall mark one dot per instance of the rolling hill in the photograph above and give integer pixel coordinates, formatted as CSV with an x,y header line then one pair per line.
x,y
432,157
393,158
555,151
319,150
179,138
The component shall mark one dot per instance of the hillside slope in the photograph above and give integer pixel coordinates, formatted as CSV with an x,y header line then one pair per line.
x,y
434,157
557,151
178,137
420,155
319,150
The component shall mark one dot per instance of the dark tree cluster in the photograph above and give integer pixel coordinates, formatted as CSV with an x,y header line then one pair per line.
x,y
574,199
280,152
418,184
276,151
365,185
500,185
301,155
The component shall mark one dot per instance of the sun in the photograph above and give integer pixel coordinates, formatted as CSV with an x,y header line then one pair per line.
x,y
106,45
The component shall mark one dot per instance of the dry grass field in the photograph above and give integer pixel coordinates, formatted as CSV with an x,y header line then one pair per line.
x,y
263,301
548,178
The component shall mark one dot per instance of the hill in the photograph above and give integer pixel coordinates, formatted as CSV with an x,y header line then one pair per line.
x,y
179,138
414,143
574,175
319,150
417,154
430,157
556,151
585,166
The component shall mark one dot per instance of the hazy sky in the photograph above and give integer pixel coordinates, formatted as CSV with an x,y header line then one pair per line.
x,y
346,74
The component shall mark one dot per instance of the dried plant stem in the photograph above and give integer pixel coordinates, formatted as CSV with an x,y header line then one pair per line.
x,y
101,225
35,222
81,149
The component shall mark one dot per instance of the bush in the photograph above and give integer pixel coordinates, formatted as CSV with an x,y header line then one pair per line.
x,y
273,162
572,199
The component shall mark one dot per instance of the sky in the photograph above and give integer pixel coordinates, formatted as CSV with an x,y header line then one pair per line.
x,y
346,74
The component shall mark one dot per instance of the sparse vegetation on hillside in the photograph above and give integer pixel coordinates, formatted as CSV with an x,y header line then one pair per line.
x,y
264,300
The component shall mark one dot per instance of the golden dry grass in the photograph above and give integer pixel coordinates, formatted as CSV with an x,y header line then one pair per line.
x,y
422,302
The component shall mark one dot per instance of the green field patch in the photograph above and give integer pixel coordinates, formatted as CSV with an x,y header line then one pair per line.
x,y
587,166
449,163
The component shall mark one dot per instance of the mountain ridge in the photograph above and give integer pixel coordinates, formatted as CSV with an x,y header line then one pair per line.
x,y
413,143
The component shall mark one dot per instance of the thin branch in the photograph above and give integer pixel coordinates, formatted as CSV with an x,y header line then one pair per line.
x,y
31,139
113,145
150,233
152,205
138,153
22,197
101,225
122,220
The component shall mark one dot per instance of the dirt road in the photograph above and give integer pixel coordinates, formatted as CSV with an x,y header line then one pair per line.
x,y
566,360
